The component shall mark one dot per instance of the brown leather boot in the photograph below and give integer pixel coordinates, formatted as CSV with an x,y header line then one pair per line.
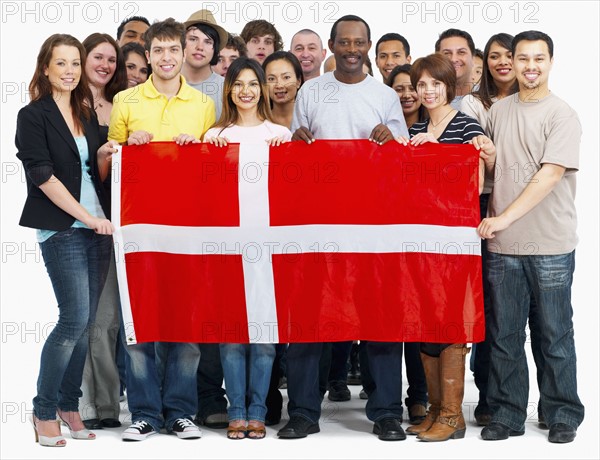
x,y
432,376
450,424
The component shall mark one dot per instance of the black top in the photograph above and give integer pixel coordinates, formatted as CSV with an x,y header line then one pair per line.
x,y
46,147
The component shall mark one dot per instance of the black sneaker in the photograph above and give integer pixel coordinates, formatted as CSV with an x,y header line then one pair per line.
x,y
138,431
186,429
338,391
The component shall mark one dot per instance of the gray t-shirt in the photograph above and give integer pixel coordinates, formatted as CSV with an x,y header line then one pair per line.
x,y
213,88
331,109
527,135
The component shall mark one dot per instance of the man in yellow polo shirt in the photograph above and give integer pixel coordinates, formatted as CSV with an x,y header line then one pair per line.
x,y
165,108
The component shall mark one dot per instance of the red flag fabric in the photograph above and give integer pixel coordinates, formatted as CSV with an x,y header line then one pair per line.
x,y
336,240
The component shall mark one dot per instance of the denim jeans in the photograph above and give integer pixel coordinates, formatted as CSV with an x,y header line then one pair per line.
x,y
156,397
247,372
513,281
385,366
303,380
417,386
211,395
77,262
480,352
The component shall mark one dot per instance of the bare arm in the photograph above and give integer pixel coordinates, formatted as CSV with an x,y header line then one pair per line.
x,y
542,183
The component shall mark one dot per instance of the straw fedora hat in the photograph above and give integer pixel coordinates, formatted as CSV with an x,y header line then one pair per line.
x,y
206,17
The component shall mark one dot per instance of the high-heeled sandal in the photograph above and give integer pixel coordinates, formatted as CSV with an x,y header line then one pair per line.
x,y
256,430
79,434
47,441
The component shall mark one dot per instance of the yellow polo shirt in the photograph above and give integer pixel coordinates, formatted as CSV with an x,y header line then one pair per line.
x,y
144,108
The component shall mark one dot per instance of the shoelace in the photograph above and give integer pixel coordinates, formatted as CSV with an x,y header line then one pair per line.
x,y
184,422
139,425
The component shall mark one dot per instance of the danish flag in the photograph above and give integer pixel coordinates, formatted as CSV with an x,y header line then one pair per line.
x,y
331,241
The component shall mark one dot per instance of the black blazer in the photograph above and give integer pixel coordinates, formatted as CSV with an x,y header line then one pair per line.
x,y
46,147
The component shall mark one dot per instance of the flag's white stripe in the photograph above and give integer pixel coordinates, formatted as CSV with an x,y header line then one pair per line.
x,y
121,247
257,243
259,285
253,185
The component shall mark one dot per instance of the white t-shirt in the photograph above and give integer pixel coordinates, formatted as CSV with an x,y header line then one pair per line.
x,y
255,134
331,109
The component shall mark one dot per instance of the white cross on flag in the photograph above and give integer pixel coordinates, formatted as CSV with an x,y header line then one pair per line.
x,y
332,241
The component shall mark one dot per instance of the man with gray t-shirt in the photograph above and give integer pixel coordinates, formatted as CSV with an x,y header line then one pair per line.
x,y
531,232
346,104
203,41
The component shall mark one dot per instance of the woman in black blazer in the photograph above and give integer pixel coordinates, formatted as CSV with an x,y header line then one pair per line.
x,y
58,142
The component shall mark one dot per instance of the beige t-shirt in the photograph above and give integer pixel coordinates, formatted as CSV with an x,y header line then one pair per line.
x,y
527,135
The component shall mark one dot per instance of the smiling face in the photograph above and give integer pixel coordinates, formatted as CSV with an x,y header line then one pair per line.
x,y
350,48
432,92
137,70
532,64
307,47
165,58
261,47
245,91
101,64
499,62
199,48
282,81
64,69
458,51
389,55
409,99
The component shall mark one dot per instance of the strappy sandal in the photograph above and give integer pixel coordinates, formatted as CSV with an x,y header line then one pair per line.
x,y
256,430
233,432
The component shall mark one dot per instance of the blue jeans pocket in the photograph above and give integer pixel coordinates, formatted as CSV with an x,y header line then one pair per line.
x,y
495,269
555,272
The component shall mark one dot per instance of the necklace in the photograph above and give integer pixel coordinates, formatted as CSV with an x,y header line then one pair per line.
x,y
435,125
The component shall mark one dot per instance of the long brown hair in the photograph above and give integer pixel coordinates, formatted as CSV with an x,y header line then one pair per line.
x,y
229,115
40,86
118,82
487,86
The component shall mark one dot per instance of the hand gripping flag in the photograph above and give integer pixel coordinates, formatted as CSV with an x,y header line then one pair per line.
x,y
332,241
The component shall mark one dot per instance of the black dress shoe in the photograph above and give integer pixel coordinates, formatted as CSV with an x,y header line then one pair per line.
x,y
389,429
497,432
298,427
110,423
561,433
92,424
338,391
483,415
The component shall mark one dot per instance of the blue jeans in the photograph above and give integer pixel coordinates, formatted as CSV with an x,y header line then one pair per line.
x,y
77,261
247,372
156,397
211,395
514,280
417,386
385,366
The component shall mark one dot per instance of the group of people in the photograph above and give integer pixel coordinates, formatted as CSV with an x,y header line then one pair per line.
x,y
194,82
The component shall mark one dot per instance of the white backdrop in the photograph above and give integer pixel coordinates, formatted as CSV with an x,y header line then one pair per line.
x,y
28,305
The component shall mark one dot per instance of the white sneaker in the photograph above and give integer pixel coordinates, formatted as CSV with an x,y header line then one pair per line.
x,y
186,429
138,431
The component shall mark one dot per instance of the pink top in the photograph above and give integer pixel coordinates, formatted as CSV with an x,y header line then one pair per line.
x,y
260,133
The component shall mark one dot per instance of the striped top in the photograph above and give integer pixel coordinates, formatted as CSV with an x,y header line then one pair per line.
x,y
461,129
